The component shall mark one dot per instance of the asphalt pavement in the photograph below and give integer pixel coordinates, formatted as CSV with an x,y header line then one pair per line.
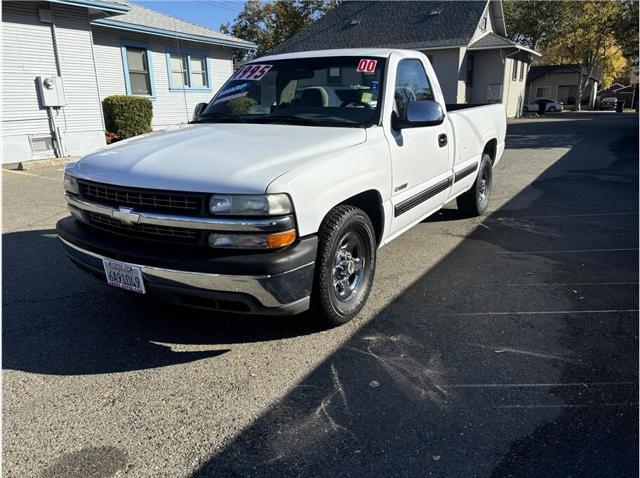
x,y
498,346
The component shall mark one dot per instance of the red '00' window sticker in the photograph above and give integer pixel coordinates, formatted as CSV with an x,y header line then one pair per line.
x,y
366,66
252,72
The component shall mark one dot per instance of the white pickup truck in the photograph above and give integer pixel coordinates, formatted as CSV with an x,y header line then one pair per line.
x,y
276,197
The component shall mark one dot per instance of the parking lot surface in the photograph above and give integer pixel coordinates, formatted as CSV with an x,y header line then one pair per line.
x,y
498,346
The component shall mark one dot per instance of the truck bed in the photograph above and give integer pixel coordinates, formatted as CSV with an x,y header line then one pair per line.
x,y
476,125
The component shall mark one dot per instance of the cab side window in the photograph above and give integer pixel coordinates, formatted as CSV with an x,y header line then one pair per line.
x,y
411,85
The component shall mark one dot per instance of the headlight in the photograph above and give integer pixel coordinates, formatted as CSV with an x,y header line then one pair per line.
x,y
252,241
250,205
71,185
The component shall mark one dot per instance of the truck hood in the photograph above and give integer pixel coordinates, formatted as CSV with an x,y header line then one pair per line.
x,y
221,157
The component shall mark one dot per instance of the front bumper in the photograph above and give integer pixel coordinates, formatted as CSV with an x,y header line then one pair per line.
x,y
273,283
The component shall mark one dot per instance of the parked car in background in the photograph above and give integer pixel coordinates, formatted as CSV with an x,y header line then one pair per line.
x,y
551,106
608,103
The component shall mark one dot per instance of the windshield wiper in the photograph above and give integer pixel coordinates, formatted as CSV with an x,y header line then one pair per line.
x,y
299,120
216,117
222,118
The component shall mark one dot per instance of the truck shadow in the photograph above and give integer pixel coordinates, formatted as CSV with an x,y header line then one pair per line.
x,y
59,320
500,361
494,363
447,213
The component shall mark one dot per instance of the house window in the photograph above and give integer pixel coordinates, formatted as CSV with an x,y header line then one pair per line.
x,y
178,71
469,78
523,67
137,66
514,74
483,23
198,68
138,71
543,92
187,70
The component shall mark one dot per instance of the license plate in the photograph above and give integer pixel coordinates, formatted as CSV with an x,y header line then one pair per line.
x,y
124,276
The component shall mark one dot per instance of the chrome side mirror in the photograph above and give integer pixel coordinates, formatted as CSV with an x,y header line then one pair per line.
x,y
420,113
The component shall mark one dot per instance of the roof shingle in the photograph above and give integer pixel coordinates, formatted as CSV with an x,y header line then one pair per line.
x,y
392,24
491,40
538,71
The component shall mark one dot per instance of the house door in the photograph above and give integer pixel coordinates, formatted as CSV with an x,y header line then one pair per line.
x,y
563,94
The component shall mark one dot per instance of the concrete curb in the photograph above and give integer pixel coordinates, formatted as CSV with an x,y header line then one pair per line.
x,y
38,163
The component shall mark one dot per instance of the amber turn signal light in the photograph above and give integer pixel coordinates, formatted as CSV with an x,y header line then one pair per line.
x,y
281,239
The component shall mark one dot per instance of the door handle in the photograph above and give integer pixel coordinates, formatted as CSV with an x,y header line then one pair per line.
x,y
442,140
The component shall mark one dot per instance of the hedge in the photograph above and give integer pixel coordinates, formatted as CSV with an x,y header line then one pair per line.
x,y
239,106
127,116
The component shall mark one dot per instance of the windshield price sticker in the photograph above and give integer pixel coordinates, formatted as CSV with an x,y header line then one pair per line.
x,y
232,93
242,94
366,66
233,89
252,72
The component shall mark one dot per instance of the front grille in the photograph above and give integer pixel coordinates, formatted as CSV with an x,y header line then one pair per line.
x,y
143,199
144,231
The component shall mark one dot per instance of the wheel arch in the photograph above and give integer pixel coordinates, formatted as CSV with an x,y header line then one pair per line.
x,y
491,148
370,202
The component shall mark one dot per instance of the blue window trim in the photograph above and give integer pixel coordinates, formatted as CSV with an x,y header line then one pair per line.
x,y
125,65
188,52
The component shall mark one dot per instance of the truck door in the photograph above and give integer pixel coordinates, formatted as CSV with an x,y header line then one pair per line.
x,y
420,155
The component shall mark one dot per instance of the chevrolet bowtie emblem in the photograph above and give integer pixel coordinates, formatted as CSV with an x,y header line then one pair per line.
x,y
126,215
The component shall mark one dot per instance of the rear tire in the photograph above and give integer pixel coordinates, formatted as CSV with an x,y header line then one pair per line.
x,y
345,265
475,201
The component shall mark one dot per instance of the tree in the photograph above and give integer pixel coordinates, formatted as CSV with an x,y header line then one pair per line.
x,y
614,66
270,23
531,22
587,34
626,33
590,34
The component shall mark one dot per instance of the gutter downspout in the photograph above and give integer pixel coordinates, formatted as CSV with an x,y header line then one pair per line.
x,y
57,133
95,72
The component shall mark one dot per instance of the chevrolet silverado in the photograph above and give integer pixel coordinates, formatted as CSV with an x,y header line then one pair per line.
x,y
277,196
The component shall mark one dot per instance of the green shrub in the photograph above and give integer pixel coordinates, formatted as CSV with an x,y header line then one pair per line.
x,y
127,116
239,106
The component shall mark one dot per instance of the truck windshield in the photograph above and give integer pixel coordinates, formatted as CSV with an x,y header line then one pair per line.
x,y
324,91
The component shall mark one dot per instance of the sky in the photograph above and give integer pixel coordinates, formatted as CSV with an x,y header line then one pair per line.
x,y
207,13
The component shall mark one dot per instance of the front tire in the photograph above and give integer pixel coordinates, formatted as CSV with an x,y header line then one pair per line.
x,y
552,109
345,265
475,201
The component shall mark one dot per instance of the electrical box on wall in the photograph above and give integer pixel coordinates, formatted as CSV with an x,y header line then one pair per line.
x,y
51,91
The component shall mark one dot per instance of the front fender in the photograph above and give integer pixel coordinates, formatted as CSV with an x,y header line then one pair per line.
x,y
323,182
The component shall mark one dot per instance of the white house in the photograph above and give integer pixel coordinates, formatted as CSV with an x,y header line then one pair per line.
x,y
464,40
71,54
